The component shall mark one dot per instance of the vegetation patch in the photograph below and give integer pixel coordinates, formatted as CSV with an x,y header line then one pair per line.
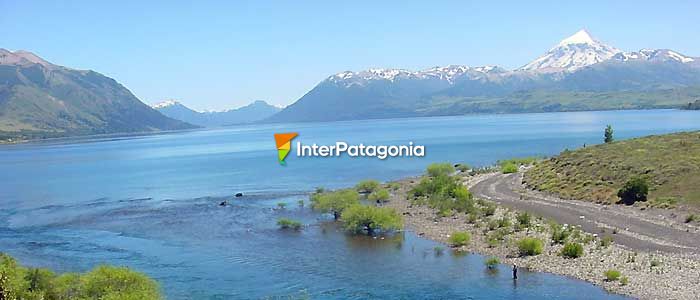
x,y
612,275
367,186
670,165
572,250
285,223
334,202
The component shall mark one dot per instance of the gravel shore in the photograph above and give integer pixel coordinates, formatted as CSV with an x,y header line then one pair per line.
x,y
648,274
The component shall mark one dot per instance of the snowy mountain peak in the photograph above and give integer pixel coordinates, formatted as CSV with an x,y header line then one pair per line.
x,y
580,37
657,55
445,73
164,104
575,52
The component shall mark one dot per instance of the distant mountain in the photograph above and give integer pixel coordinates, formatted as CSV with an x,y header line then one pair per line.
x,y
41,99
579,73
255,111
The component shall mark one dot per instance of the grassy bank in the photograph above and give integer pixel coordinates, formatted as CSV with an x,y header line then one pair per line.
x,y
670,164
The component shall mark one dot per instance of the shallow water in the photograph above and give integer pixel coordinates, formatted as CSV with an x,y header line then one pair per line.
x,y
151,203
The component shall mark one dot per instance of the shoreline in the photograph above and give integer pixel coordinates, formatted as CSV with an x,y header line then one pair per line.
x,y
651,275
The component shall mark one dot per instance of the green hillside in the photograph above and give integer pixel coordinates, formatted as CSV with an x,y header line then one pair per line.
x,y
670,164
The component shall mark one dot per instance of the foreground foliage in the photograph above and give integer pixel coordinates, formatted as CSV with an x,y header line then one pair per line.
x,y
460,238
103,282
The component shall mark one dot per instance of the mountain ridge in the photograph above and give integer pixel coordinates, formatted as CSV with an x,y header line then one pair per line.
x,y
254,111
40,99
579,63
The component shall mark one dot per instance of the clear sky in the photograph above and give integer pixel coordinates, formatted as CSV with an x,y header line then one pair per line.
x,y
218,55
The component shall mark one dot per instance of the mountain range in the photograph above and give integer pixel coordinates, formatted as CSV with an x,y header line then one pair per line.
x,y
39,99
255,111
579,73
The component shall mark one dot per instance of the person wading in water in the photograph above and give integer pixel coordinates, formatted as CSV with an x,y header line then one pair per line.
x,y
515,271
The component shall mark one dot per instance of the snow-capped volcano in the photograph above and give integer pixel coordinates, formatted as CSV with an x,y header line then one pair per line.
x,y
577,51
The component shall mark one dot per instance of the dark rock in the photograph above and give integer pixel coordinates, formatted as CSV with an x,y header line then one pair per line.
x,y
239,194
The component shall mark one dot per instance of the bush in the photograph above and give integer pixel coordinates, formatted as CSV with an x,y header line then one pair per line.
x,y
460,238
509,168
690,218
444,192
524,219
367,186
624,280
369,219
440,169
572,250
530,246
608,134
281,205
635,189
504,222
612,275
560,234
379,195
492,262
103,282
606,241
285,223
334,202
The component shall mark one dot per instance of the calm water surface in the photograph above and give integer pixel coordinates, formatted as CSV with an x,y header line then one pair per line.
x,y
151,203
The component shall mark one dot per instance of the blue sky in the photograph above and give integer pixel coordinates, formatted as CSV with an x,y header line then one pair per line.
x,y
218,55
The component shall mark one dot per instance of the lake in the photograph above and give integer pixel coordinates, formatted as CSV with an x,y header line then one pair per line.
x,y
151,203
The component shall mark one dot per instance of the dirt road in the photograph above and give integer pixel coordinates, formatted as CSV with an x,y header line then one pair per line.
x,y
628,226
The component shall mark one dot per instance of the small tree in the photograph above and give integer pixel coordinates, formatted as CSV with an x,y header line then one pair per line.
x,y
492,262
635,189
379,195
367,186
285,223
334,202
608,134
362,218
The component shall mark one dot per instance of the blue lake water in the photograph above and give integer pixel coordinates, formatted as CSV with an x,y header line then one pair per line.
x,y
151,203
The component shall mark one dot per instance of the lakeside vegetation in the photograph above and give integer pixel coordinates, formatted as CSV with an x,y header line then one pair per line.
x,y
346,206
102,282
665,166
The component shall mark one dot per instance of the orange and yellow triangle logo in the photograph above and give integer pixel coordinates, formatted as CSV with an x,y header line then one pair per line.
x,y
284,145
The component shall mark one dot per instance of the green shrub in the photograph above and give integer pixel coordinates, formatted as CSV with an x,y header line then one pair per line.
x,y
524,219
443,192
281,205
560,234
530,246
379,195
369,219
285,223
624,280
367,186
635,189
492,262
572,250
393,186
440,169
606,241
509,168
334,202
489,209
460,238
612,275
504,222
690,218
